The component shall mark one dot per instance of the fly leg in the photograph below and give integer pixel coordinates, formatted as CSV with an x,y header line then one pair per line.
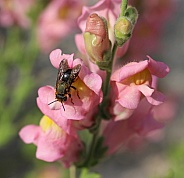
x,y
70,98
63,106
76,91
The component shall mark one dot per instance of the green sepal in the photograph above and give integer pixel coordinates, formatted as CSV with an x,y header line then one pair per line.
x,y
125,24
105,64
132,14
123,40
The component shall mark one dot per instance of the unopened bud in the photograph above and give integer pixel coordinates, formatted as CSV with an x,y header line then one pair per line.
x,y
132,14
96,38
123,30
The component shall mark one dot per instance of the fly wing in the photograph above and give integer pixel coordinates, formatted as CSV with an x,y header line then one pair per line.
x,y
75,72
63,67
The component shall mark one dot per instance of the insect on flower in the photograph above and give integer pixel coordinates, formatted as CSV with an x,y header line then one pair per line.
x,y
65,77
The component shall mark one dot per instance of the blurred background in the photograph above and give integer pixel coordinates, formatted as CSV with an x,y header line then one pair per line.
x,y
25,44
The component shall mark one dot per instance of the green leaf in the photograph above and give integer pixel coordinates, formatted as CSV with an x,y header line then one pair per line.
x,y
86,174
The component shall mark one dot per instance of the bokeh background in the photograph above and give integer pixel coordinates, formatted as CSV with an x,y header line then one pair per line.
x,y
24,68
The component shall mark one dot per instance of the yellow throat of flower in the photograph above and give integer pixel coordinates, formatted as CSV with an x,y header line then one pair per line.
x,y
143,77
63,12
47,125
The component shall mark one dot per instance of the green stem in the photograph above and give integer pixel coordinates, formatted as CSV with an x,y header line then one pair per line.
x,y
124,4
106,90
108,76
72,171
93,144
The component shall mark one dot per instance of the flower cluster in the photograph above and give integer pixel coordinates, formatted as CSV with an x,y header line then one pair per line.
x,y
63,119
57,21
14,12
117,102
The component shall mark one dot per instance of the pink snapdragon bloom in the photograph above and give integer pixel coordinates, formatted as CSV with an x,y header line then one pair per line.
x,y
133,82
110,10
53,143
137,127
57,21
88,85
14,12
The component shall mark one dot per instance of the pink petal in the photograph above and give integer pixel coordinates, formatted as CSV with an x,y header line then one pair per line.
x,y
46,94
122,50
49,150
130,97
159,69
154,82
72,113
30,133
79,41
121,113
55,58
145,90
57,117
156,98
94,82
166,111
149,124
117,133
128,70
78,61
69,58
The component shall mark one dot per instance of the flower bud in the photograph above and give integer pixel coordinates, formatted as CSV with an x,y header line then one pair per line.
x,y
125,24
96,38
123,30
132,14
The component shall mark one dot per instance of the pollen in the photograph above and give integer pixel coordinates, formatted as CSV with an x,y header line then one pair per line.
x,y
142,77
83,90
79,84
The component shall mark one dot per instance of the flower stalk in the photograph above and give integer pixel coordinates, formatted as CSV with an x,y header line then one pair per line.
x,y
102,111
105,89
124,5
72,171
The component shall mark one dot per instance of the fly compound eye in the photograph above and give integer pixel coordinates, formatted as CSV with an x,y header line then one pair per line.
x,y
66,76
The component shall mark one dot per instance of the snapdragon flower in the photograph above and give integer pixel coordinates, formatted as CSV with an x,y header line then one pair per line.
x,y
57,21
88,87
53,143
14,12
134,81
138,126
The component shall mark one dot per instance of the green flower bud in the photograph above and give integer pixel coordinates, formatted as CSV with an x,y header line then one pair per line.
x,y
132,14
123,30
